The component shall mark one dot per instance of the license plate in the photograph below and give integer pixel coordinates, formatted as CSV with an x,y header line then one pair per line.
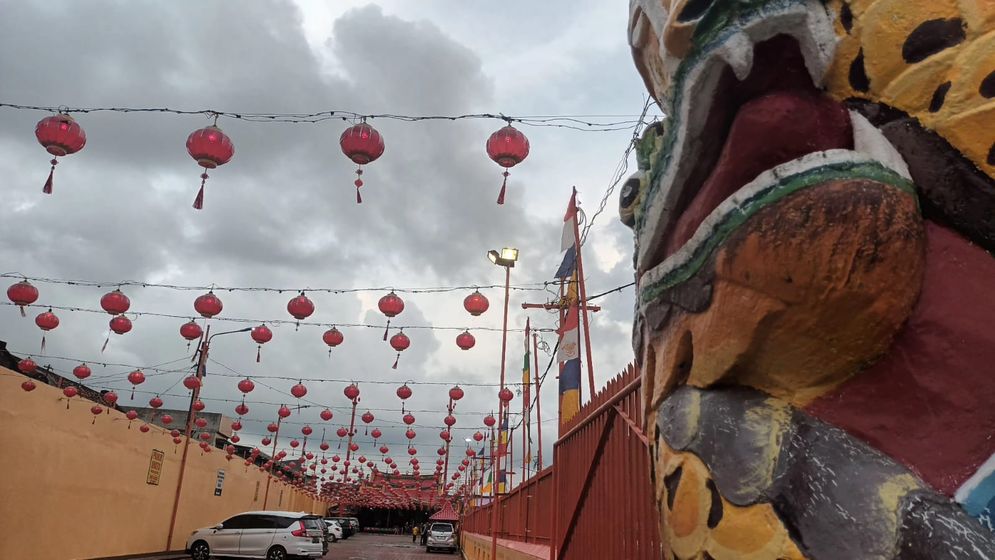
x,y
314,539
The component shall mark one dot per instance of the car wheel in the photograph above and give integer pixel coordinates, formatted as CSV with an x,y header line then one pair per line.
x,y
200,551
276,553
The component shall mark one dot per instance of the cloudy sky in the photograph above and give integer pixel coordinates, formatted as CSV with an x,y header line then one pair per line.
x,y
283,214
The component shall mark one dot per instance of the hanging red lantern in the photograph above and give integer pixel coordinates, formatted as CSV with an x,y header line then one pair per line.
x,y
391,306
261,335
268,440
205,436
190,331
166,420
383,449
155,402
28,385
96,410
82,371
342,432
410,434
477,436
456,393
209,147
208,305
115,303
465,340
376,433
191,382
21,294
70,392
449,420
110,397
367,417
135,378
446,436
354,446
408,419
489,421
351,392
412,451
332,337
198,405
294,443
236,425
200,422
307,430
246,385
144,428
235,439
46,321
507,147
476,303
283,411
505,395
300,308
362,144
60,135
298,390
470,452
324,447
241,409
325,415
272,427
26,366
119,325
399,342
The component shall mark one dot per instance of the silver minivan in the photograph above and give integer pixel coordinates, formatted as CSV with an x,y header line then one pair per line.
x,y
263,535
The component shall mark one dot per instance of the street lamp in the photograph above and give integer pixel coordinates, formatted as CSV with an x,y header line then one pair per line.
x,y
205,346
506,258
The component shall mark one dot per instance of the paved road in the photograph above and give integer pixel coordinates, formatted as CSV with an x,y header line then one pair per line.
x,y
380,547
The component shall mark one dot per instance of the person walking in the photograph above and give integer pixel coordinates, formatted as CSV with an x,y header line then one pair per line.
x,y
415,532
424,535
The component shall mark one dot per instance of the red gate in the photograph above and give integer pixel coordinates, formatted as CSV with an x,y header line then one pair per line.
x,y
596,500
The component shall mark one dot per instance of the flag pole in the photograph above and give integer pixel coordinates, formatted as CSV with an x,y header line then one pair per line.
x,y
526,412
583,297
535,361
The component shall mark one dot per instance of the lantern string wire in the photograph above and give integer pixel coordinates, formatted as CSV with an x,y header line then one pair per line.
x,y
273,322
530,286
586,123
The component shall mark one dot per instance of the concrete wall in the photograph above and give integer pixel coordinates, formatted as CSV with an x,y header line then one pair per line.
x,y
74,489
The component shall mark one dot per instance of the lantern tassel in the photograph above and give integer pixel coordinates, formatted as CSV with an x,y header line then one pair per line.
x,y
397,359
359,183
104,347
504,186
23,314
132,398
47,189
258,350
42,344
198,202
386,330
94,421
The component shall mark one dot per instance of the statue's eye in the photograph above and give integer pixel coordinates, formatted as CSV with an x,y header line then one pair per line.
x,y
629,199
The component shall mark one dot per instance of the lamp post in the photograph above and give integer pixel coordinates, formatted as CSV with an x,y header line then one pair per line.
x,y
507,259
205,346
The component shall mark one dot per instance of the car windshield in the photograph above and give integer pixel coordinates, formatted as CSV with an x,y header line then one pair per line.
x,y
312,523
442,528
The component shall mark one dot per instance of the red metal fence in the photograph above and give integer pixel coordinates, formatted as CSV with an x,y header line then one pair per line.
x,y
596,500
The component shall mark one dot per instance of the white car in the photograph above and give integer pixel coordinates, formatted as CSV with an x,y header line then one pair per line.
x,y
264,535
441,536
334,529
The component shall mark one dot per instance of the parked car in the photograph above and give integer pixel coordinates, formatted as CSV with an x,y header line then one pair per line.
x,y
264,535
441,536
347,528
334,529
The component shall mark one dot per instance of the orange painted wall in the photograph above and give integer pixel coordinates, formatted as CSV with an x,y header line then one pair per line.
x,y
73,489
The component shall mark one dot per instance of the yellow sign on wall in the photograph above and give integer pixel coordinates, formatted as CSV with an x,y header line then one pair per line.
x,y
155,467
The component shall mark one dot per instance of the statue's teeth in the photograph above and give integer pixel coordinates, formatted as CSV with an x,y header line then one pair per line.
x,y
737,52
817,41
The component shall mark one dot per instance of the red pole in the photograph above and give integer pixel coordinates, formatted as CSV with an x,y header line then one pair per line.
x,y
526,415
348,452
535,357
583,303
449,430
204,347
504,349
269,475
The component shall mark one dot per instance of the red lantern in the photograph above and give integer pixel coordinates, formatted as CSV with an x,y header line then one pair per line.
x,y
283,412
135,378
210,148
70,392
267,440
120,324
261,335
354,446
408,419
110,397
166,419
332,337
449,420
201,422
236,426
190,331
294,443
95,410
446,436
300,307
235,438
22,294
198,405
298,390
412,451
115,302
191,382
465,340
489,421
155,402
477,436
326,415
28,385
342,432
376,433
351,391
246,385
476,303
205,436
410,434
46,321
470,453
60,135
362,144
307,430
144,428
505,395
324,447
208,305
27,366
399,342
507,147
272,427
383,449
241,409
391,306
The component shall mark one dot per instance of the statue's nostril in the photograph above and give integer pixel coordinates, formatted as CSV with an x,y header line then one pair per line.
x,y
693,10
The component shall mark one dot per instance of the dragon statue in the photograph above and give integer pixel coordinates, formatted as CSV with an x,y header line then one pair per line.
x,y
814,222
